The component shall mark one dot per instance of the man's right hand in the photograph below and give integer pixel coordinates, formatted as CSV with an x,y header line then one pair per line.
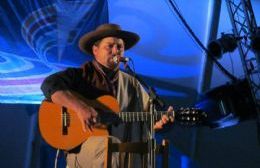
x,y
86,113
87,116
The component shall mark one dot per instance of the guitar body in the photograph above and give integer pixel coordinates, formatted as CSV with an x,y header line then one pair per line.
x,y
61,128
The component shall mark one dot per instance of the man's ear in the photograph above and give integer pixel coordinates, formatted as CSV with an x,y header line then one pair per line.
x,y
94,49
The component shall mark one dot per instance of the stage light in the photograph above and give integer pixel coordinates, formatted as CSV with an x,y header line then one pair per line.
x,y
227,43
255,41
228,104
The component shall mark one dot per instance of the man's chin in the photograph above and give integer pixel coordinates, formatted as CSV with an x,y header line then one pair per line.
x,y
113,66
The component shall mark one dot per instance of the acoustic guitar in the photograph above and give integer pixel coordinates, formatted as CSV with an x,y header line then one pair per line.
x,y
61,128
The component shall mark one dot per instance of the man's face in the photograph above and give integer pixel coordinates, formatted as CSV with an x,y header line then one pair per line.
x,y
108,50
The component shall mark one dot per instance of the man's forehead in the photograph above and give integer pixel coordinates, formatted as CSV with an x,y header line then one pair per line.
x,y
112,40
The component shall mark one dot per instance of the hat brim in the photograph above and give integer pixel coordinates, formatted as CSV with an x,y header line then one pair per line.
x,y
87,41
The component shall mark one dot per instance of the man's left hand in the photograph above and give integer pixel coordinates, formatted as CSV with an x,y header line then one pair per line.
x,y
165,119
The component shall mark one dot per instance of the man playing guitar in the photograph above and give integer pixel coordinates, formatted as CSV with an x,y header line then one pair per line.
x,y
76,87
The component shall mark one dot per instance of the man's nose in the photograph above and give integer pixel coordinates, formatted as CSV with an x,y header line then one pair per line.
x,y
116,50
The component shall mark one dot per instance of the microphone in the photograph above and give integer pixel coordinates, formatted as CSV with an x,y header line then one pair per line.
x,y
124,59
120,59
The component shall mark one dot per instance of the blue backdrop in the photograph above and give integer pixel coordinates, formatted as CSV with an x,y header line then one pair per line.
x,y
40,37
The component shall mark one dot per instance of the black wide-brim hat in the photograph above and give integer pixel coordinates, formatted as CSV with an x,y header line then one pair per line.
x,y
107,30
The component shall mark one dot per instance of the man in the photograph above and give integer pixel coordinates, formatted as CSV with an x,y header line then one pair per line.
x,y
101,76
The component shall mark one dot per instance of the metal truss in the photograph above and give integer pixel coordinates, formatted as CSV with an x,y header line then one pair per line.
x,y
244,25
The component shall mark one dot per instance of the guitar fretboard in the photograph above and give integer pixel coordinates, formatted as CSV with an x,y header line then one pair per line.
x,y
141,116
184,115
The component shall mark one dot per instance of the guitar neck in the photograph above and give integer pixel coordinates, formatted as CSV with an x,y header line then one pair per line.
x,y
141,116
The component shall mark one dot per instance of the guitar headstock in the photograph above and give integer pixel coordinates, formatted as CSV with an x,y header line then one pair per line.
x,y
191,116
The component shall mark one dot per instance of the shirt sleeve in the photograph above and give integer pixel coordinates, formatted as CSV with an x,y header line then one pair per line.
x,y
64,80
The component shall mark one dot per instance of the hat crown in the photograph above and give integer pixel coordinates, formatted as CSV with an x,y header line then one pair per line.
x,y
106,27
107,30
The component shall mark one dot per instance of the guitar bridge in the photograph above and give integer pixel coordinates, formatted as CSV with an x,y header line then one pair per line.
x,y
65,121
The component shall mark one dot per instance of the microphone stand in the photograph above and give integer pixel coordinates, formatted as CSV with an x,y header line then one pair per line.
x,y
154,101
